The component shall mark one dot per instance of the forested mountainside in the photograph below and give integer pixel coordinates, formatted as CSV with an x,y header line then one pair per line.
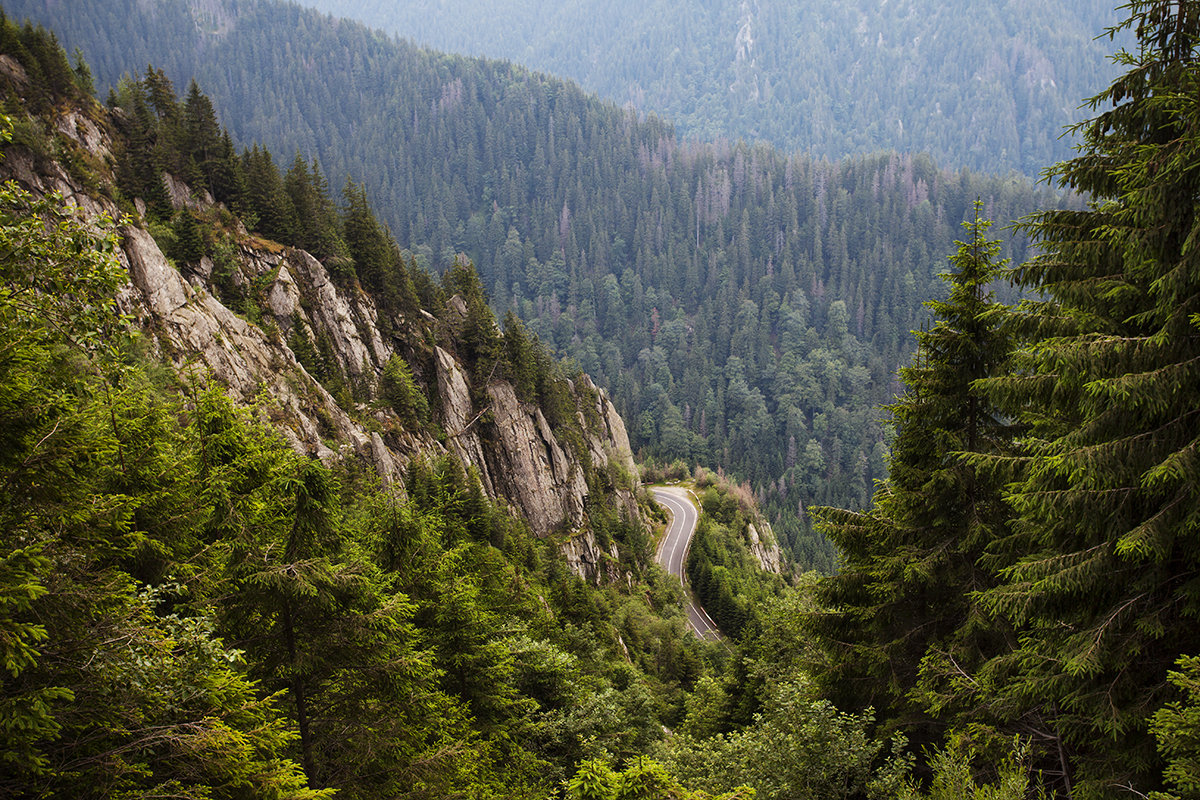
x,y
744,309
269,529
224,576
988,85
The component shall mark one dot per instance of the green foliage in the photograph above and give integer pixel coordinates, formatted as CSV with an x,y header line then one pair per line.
x,y
799,747
480,338
522,355
192,609
427,644
319,227
954,777
903,624
727,579
595,780
266,197
50,75
642,779
188,245
83,74
1176,727
26,719
1098,574
1056,605
106,691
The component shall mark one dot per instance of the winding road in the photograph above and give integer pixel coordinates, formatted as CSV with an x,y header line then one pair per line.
x,y
672,551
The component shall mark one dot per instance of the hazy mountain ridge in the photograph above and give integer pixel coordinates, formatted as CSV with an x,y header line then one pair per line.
x,y
987,85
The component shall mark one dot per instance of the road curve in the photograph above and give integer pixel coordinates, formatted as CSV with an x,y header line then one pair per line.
x,y
672,551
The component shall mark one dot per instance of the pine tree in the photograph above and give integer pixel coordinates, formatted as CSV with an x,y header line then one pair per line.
x,y
319,228
228,181
84,80
189,241
1102,571
903,595
365,237
522,357
140,165
480,338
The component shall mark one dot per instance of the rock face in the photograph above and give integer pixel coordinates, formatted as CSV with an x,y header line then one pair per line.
x,y
589,560
195,331
290,310
764,548
532,468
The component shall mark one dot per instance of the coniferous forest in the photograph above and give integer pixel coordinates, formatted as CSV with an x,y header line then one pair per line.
x,y
189,607
746,309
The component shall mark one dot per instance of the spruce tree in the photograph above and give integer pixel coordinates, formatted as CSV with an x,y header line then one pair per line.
x,y
276,217
319,227
903,595
202,136
1102,570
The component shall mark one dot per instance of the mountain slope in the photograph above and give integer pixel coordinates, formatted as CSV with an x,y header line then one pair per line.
x,y
225,578
295,305
986,85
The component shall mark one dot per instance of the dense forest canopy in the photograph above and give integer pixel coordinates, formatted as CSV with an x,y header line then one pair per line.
x,y
746,309
986,85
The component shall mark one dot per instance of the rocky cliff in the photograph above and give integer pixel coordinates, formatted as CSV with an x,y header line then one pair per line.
x,y
764,548
289,311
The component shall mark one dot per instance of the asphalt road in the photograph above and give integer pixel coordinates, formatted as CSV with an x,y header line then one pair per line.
x,y
672,551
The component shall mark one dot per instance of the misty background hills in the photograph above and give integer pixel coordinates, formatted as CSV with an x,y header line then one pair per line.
x,y
986,85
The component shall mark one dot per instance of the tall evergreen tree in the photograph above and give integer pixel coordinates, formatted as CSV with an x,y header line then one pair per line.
x,y
319,228
903,597
1102,570
202,141
276,217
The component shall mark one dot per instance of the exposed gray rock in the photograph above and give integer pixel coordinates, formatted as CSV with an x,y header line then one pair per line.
x,y
588,560
459,417
204,338
12,70
764,548
89,136
181,195
530,467
284,297
163,289
349,320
